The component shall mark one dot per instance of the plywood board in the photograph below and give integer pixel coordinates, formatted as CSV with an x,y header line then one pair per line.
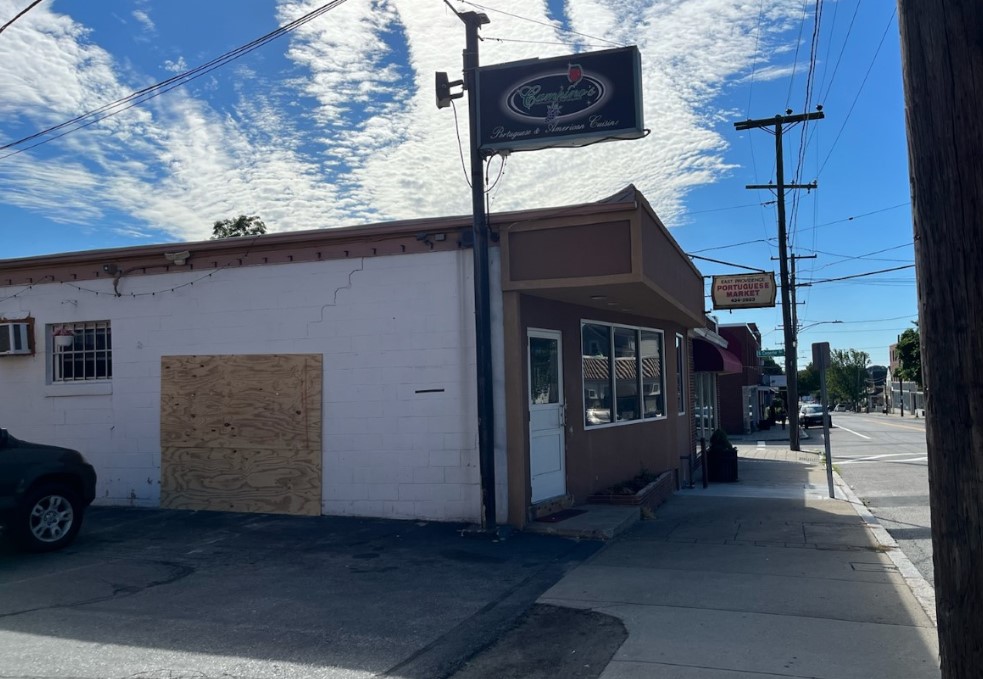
x,y
242,432
241,480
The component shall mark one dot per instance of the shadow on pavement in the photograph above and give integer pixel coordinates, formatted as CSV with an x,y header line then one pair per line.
x,y
218,594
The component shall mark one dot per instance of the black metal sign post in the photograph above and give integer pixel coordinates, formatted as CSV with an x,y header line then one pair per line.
x,y
482,290
564,101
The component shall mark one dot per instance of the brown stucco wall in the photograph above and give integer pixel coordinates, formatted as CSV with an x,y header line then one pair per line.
x,y
599,457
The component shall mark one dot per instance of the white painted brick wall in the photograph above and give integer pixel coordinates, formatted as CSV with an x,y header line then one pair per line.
x,y
387,327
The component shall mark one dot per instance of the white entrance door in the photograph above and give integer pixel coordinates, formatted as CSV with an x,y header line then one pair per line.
x,y
547,464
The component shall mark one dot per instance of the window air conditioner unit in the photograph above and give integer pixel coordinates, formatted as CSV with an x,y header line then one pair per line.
x,y
13,339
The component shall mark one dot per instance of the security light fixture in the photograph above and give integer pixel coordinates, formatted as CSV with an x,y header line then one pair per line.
x,y
178,258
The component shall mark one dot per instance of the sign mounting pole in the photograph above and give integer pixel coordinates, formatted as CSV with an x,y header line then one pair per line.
x,y
482,293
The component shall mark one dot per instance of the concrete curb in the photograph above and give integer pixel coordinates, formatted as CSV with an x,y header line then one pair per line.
x,y
924,592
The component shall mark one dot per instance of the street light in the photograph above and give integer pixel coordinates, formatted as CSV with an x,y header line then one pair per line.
x,y
806,327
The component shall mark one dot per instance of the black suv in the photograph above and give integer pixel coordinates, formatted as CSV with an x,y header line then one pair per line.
x,y
44,491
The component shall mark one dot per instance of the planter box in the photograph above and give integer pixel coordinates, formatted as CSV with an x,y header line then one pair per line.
x,y
651,496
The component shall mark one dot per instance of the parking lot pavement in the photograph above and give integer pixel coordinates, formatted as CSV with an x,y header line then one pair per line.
x,y
158,594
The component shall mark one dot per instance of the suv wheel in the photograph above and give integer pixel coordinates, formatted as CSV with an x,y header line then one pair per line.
x,y
49,519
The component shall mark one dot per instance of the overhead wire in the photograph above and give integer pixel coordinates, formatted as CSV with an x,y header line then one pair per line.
x,y
151,91
19,15
541,23
720,261
860,90
860,216
795,61
535,42
825,95
858,275
804,130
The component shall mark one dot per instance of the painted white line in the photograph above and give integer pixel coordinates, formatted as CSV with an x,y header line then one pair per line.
x,y
924,593
880,458
863,436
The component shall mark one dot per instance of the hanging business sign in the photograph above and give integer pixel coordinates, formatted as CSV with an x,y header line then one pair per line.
x,y
744,291
564,101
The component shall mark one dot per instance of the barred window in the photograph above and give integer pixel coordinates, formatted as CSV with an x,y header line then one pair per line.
x,y
81,352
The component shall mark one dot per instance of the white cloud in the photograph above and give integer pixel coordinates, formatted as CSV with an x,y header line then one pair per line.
x,y
353,134
179,66
143,18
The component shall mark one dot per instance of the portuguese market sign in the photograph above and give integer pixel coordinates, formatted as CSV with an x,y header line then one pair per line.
x,y
744,291
572,100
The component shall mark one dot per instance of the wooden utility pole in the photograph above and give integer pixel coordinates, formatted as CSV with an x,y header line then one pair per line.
x,y
942,63
791,377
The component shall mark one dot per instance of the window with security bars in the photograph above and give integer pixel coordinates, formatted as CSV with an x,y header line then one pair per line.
x,y
81,352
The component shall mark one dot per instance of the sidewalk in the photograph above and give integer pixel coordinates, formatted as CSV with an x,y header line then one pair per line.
x,y
765,577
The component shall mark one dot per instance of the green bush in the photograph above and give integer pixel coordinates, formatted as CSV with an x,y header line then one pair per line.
x,y
719,441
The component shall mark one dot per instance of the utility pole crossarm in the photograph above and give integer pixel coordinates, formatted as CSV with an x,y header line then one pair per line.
x,y
779,119
773,187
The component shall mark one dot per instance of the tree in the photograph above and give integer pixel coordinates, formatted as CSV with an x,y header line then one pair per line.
x,y
770,367
846,377
808,381
243,225
909,358
941,53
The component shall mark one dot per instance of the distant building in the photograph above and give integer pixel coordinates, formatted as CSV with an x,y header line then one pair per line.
x,y
744,398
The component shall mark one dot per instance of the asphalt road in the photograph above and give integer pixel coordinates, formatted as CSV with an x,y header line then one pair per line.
x,y
885,460
158,594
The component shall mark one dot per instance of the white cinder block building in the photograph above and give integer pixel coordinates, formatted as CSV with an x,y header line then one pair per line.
x,y
333,371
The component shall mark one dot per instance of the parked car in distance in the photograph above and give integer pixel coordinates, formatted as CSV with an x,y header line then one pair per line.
x,y
840,408
44,491
813,415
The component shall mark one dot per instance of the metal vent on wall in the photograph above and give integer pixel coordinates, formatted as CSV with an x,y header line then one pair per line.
x,y
14,339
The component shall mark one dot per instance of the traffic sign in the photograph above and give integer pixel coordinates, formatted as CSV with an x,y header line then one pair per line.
x,y
770,352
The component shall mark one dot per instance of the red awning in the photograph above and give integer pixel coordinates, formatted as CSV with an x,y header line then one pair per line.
x,y
709,358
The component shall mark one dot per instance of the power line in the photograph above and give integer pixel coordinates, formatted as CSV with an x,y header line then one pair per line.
x,y
859,275
534,42
838,221
152,91
19,15
732,207
870,320
860,216
541,23
847,258
795,60
720,261
839,58
735,245
859,91
804,132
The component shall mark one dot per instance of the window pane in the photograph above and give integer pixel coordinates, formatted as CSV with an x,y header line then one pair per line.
x,y
626,373
653,394
596,347
544,376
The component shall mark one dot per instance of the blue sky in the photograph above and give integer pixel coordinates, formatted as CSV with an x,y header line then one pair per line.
x,y
334,124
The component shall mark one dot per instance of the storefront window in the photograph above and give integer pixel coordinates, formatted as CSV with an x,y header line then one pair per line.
x,y
626,373
653,393
622,370
597,373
